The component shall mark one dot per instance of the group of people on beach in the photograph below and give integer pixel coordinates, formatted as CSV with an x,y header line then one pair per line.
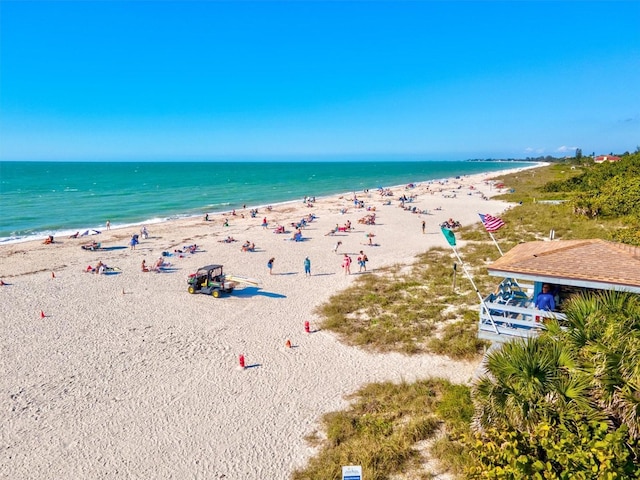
x,y
100,268
157,267
248,247
362,262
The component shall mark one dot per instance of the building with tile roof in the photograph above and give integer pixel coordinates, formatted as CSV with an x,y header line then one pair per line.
x,y
595,263
606,158
569,266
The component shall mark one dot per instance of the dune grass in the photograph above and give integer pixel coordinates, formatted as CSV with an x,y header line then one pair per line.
x,y
382,427
402,308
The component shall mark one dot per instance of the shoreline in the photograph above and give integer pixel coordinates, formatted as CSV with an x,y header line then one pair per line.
x,y
179,217
129,375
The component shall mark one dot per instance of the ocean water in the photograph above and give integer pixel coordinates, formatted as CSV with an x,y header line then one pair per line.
x,y
60,198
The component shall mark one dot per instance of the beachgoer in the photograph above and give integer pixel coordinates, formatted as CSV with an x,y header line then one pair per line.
x,y
75,235
424,224
270,265
144,232
160,264
307,267
362,261
346,264
100,267
264,222
133,242
336,247
91,246
48,240
108,225
144,267
206,217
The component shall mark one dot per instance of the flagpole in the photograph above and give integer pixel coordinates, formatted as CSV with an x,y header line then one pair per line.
x,y
496,243
466,272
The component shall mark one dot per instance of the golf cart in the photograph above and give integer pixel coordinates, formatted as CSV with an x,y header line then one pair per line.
x,y
210,280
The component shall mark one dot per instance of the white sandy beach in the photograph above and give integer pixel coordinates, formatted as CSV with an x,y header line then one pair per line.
x,y
129,376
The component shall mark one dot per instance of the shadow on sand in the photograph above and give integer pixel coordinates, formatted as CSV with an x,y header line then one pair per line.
x,y
256,292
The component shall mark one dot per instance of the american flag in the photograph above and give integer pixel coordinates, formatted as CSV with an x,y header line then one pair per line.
x,y
492,224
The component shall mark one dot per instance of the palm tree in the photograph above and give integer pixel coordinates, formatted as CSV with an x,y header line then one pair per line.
x,y
529,381
603,334
588,369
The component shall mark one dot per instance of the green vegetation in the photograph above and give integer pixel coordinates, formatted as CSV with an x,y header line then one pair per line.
x,y
583,449
383,425
564,405
410,311
611,191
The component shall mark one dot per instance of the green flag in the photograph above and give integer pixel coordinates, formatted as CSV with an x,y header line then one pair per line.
x,y
449,235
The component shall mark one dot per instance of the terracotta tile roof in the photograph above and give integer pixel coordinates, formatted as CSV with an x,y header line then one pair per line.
x,y
591,260
606,158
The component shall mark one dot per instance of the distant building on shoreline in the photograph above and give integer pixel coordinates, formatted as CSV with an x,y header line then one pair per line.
x,y
606,158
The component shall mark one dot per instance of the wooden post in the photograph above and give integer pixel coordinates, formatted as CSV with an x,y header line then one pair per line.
x,y
455,271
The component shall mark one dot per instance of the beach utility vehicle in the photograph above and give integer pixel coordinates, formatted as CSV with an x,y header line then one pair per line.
x,y
210,280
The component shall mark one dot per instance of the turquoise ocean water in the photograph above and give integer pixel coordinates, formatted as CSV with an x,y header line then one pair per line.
x,y
60,198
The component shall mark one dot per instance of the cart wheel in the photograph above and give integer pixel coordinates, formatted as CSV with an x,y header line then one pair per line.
x,y
191,290
215,293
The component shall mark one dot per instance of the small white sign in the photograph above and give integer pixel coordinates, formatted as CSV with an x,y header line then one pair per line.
x,y
352,472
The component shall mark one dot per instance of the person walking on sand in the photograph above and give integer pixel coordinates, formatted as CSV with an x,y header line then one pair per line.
x,y
270,265
307,267
108,225
424,224
362,261
336,247
346,264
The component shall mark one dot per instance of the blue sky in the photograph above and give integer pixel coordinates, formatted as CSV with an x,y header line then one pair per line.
x,y
203,79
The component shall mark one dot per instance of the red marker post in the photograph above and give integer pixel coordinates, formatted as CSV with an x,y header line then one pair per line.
x,y
241,360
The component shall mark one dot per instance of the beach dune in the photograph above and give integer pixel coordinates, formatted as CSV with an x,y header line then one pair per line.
x,y
127,375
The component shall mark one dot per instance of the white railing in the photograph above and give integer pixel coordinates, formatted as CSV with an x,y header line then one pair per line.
x,y
504,321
